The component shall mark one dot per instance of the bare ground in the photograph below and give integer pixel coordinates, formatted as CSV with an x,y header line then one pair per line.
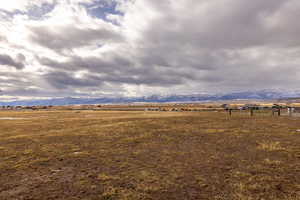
x,y
137,155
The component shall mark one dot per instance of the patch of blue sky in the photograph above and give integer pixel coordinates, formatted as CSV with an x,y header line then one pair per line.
x,y
101,8
7,14
34,12
39,12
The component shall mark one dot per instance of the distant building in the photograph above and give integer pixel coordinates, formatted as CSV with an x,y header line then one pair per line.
x,y
296,110
225,106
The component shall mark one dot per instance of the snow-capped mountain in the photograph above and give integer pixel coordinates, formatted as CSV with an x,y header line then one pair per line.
x,y
249,95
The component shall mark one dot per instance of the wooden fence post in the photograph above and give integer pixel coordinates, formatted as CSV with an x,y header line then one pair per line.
x,y
251,112
290,110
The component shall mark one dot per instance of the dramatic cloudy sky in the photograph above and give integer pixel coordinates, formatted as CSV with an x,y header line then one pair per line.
x,y
56,48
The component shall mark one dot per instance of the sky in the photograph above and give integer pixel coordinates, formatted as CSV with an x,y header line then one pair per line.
x,y
112,48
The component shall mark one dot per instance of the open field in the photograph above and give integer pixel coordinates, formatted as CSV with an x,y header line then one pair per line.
x,y
106,155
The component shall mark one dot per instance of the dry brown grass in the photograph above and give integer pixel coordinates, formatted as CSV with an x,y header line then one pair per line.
x,y
95,155
270,146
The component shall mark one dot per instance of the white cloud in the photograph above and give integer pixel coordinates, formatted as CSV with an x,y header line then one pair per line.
x,y
21,5
150,47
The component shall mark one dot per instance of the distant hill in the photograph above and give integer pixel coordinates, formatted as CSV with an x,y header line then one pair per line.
x,y
289,100
257,95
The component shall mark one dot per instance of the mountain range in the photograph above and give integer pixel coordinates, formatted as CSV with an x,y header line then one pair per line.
x,y
249,95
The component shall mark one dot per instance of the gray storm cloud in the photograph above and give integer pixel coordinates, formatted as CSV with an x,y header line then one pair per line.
x,y
69,37
12,62
182,46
